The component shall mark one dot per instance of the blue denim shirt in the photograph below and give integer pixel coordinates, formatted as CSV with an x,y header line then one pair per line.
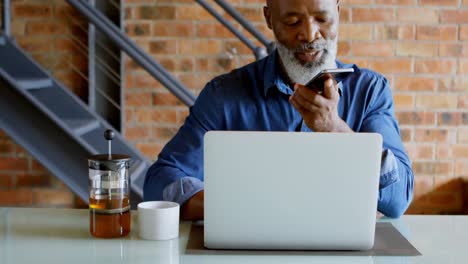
x,y
255,97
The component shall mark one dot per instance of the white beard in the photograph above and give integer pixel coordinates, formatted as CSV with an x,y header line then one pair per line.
x,y
303,73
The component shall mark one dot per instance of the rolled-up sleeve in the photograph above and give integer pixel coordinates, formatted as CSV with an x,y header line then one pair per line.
x,y
396,178
177,174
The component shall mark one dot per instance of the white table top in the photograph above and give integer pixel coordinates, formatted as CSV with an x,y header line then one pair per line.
x,y
62,236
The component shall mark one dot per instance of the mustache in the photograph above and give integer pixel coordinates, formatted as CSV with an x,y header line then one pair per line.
x,y
320,44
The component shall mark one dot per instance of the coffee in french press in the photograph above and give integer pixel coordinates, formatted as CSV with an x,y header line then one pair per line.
x,y
109,204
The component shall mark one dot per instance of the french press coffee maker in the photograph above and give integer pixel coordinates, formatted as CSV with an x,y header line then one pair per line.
x,y
109,204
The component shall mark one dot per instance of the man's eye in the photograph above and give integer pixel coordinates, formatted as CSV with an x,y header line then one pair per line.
x,y
322,19
292,22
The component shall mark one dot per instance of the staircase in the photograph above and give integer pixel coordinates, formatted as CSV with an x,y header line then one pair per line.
x,y
54,125
61,131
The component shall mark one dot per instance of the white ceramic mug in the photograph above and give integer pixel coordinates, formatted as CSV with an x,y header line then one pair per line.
x,y
158,220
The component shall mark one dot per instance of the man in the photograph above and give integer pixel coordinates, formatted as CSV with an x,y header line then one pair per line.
x,y
269,95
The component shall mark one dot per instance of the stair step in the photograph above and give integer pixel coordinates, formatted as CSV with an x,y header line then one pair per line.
x,y
82,126
137,183
36,83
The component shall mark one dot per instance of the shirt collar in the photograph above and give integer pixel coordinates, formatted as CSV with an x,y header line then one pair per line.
x,y
273,77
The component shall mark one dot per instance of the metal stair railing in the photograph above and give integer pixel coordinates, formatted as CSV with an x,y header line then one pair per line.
x,y
6,18
259,52
132,50
84,130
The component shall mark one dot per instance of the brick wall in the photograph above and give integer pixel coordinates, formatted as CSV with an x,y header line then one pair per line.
x,y
42,28
421,46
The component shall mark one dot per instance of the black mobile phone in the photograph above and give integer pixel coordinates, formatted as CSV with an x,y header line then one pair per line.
x,y
317,81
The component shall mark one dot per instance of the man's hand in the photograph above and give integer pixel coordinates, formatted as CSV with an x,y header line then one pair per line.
x,y
193,208
319,110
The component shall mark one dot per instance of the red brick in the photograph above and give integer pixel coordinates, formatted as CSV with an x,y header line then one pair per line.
x,y
458,84
457,49
137,133
138,29
406,134
454,16
17,197
173,29
345,14
145,80
463,67
46,28
374,48
435,66
355,32
138,99
403,101
6,147
418,49
18,28
34,44
439,101
414,83
23,10
432,32
209,30
439,3
452,119
360,14
252,14
6,180
431,135
37,167
164,134
418,15
394,32
33,179
461,168
155,12
150,150
160,98
51,197
13,164
182,115
163,47
200,47
419,151
452,152
344,48
191,12
463,32
463,102
423,185
432,168
391,65
396,2
415,118
358,2
195,81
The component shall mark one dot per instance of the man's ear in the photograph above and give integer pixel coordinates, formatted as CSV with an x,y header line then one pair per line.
x,y
267,15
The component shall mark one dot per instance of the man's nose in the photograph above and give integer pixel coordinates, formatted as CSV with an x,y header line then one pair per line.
x,y
310,31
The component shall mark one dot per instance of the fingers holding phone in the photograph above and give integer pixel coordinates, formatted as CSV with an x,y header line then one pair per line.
x,y
318,81
317,102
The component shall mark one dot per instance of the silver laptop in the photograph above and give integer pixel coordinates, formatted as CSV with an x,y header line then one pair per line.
x,y
291,191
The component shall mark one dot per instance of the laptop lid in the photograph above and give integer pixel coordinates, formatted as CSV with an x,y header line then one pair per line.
x,y
291,190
